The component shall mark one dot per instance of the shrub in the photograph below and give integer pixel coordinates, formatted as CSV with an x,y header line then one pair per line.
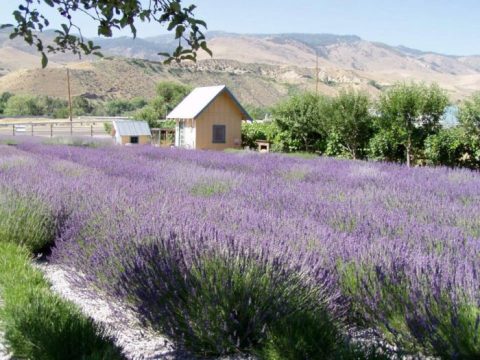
x,y
251,132
18,105
61,113
37,323
415,308
26,220
222,300
452,147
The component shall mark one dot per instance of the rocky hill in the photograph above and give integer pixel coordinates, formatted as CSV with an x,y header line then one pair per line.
x,y
261,69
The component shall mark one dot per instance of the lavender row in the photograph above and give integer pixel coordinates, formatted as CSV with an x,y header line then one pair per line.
x,y
381,245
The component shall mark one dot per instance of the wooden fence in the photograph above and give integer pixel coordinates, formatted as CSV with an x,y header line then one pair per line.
x,y
52,128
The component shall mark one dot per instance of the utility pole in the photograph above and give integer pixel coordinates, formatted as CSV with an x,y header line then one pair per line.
x,y
316,72
69,101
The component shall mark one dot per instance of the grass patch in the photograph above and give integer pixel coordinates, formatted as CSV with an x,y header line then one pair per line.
x,y
80,142
10,142
207,189
26,221
301,155
295,173
235,151
37,323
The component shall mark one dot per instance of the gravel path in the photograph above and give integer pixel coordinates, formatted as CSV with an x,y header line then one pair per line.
x,y
137,342
4,355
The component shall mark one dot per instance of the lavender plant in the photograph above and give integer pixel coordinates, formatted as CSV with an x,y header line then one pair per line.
x,y
215,296
401,245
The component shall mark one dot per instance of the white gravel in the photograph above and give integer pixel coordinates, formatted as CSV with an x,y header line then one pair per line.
x,y
4,355
137,342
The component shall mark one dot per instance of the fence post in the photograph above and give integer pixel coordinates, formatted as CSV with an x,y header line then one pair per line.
x,y
51,130
71,127
13,130
91,130
32,127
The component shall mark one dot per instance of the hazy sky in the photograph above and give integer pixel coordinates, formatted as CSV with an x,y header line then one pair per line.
x,y
446,26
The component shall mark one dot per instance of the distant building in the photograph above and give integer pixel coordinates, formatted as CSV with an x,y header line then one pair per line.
x,y
209,118
131,132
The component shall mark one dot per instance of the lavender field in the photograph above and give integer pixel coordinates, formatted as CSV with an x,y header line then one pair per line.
x,y
261,254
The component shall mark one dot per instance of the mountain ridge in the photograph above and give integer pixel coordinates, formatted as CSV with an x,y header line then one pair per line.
x,y
247,62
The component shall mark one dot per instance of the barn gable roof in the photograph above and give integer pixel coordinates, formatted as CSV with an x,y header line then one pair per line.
x,y
199,99
131,128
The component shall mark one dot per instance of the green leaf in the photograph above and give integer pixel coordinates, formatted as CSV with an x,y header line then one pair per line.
x,y
18,16
189,57
175,6
203,45
44,60
201,22
172,24
179,31
104,30
4,26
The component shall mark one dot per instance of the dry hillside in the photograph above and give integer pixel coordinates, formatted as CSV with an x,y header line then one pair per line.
x,y
261,69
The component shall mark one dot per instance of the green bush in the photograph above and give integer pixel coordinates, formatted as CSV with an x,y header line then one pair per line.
x,y
26,220
108,127
18,105
254,131
452,147
40,325
3,100
61,113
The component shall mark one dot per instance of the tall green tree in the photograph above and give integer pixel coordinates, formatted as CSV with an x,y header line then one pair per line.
x,y
469,115
301,121
168,95
81,106
411,112
23,105
106,16
350,122
3,100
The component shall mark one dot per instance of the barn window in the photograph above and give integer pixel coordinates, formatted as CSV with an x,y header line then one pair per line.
x,y
219,134
133,139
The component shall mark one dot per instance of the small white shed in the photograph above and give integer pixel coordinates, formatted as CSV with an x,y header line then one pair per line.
x,y
131,132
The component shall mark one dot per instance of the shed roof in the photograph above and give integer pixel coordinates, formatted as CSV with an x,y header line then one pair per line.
x,y
131,128
198,100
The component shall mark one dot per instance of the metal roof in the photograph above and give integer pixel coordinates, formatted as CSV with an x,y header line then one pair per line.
x,y
131,128
198,100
